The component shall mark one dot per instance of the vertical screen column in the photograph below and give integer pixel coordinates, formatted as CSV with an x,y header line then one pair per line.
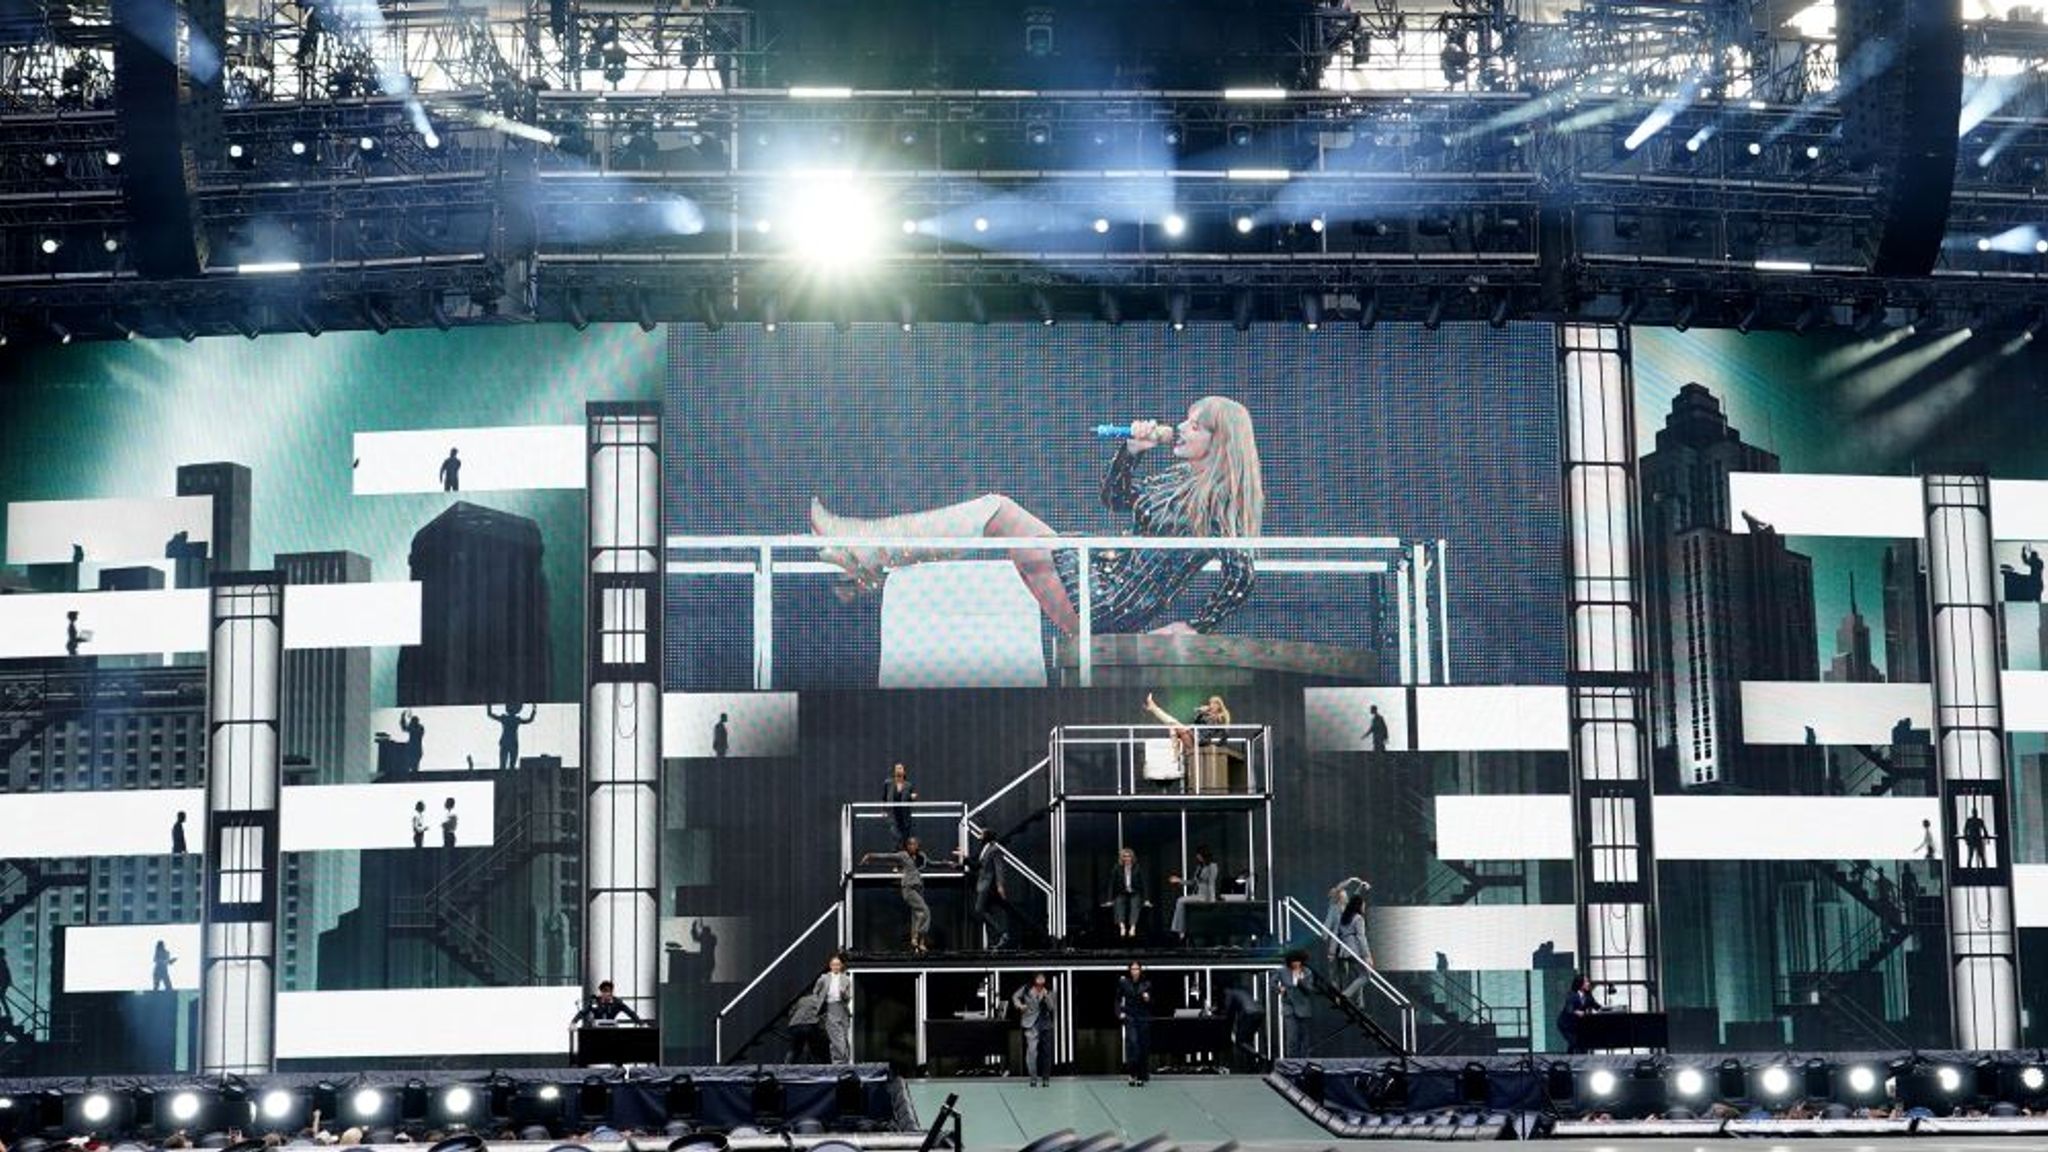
x,y
1969,737
238,971
622,731
1607,685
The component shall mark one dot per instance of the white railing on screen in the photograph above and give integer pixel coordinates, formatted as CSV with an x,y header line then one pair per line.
x,y
1418,566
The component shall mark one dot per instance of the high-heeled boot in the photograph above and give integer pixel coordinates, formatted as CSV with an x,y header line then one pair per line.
x,y
867,568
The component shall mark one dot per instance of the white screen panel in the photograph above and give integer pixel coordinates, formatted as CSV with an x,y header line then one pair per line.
x,y
1340,719
2030,895
109,623
1781,711
1504,827
122,957
1795,505
2019,509
1492,719
2026,701
1792,827
44,825
321,817
360,615
1471,937
110,531
493,459
756,723
425,1022
464,737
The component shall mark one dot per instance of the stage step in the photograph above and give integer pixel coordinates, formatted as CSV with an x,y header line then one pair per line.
x,y
1194,1111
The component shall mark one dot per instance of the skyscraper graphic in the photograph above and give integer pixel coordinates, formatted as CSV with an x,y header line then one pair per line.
x,y
229,485
484,612
1723,607
1852,663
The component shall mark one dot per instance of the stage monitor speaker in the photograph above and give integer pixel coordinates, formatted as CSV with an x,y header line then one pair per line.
x,y
167,95
1901,94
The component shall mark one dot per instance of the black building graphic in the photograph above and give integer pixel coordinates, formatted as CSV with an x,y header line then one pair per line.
x,y
484,612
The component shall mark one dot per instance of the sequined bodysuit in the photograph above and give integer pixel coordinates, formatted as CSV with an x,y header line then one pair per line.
x,y
1133,590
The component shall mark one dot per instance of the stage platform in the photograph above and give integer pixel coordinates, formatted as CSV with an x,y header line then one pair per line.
x,y
1056,959
1196,1112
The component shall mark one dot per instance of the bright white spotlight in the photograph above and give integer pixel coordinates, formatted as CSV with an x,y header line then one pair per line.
x,y
236,152
2041,247
1317,225
764,225
1754,148
367,1102
1244,225
458,1100
1101,226
981,223
1862,1079
298,147
277,1104
1813,151
1776,1081
185,1107
1950,1080
1175,224
367,143
832,223
97,1107
1983,243
550,1092
1689,1082
50,245
910,227
113,158
2031,1078
431,139
6,1103
1601,1082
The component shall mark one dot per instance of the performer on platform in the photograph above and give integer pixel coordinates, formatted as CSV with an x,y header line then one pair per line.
x,y
1296,987
1134,1012
991,896
604,1008
1578,1004
1126,894
1340,894
806,1035
910,865
1214,488
1201,889
1212,713
1035,1005
833,991
898,790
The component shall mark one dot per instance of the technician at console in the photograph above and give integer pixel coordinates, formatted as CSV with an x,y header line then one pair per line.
x,y
605,1008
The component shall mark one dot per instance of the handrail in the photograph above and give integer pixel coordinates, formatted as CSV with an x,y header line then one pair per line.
x,y
831,912
1292,909
1043,763
1017,862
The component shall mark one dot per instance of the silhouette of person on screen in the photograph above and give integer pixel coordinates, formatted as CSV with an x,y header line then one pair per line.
x,y
160,968
448,820
2025,589
1928,851
72,636
419,824
1975,834
178,835
451,472
509,723
415,738
1377,730
721,738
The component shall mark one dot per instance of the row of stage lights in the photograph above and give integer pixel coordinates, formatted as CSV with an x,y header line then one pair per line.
x,y
1654,1088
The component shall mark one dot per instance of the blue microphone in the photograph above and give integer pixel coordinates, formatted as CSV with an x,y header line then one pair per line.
x,y
1161,431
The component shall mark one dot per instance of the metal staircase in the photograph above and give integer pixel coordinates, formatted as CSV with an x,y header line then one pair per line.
x,y
1840,981
444,914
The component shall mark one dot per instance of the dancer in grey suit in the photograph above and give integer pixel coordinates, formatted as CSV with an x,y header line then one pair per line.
x,y
910,865
1296,985
834,993
1034,1004
1200,890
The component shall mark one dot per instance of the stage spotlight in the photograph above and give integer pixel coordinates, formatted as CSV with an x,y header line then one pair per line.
x,y
239,153
1749,317
1498,318
981,223
1862,1080
1241,310
681,1098
771,312
1043,307
1753,149
1949,1079
594,1099
1435,224
1631,304
572,306
1433,319
184,1107
832,223
49,245
366,1103
110,243
1812,152
113,158
643,312
1775,1081
52,161
906,313
1037,134
1600,1082
708,310
1807,318
2032,1079
1175,224
1101,226
1240,135
302,148
850,1096
1817,1082
1177,308
1311,310
1317,225
62,334
977,308
366,143
1243,224
96,1108
1689,1083
764,225
909,227
1730,1083
276,1106
1368,310
307,322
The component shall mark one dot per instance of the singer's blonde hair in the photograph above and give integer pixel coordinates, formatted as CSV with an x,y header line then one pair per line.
x,y
1228,496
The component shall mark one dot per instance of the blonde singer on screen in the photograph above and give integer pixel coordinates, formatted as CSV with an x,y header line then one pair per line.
x,y
1213,487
